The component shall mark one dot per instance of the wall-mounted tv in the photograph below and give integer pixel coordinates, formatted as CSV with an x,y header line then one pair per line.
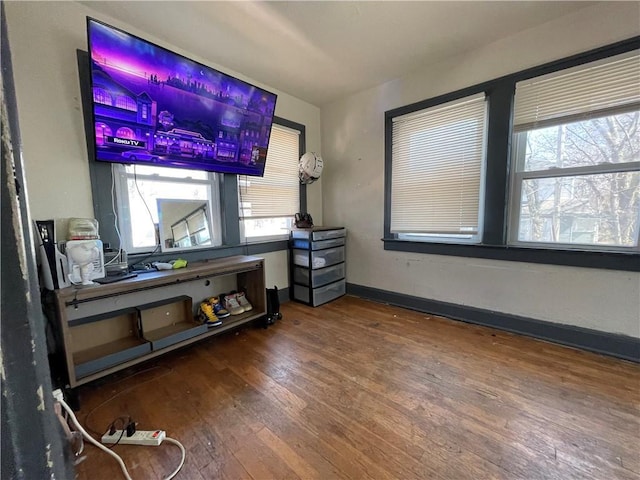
x,y
152,106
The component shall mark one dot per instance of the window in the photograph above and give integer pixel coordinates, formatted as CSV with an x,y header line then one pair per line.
x,y
125,132
127,103
559,176
191,230
576,180
268,204
102,130
437,170
138,189
100,95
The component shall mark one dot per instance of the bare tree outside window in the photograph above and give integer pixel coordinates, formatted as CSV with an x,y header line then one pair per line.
x,y
580,182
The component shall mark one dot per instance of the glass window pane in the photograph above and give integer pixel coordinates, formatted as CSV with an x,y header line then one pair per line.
x,y
601,209
613,139
267,227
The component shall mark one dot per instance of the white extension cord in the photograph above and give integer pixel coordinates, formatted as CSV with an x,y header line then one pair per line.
x,y
149,438
57,394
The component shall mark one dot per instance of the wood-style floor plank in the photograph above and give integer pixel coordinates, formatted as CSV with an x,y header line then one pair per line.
x,y
359,390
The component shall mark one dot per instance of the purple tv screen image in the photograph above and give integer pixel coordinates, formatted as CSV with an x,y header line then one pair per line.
x,y
154,107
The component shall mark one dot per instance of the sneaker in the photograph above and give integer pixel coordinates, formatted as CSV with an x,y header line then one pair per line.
x,y
244,303
232,305
207,316
218,309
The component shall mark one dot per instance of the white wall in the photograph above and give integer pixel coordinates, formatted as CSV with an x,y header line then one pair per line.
x,y
44,37
353,189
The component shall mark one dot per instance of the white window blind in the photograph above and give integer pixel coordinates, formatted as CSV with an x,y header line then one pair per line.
x,y
277,193
197,221
583,92
437,164
180,231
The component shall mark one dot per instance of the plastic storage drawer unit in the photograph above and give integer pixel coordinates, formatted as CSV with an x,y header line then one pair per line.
x,y
317,268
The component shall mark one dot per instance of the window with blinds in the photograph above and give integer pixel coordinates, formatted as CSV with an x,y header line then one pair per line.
x,y
576,157
269,203
180,232
193,230
437,171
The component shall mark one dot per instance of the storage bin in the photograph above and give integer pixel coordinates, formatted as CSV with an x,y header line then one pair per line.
x,y
319,277
318,258
319,245
320,295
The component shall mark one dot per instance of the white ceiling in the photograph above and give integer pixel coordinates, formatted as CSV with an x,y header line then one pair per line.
x,y
320,51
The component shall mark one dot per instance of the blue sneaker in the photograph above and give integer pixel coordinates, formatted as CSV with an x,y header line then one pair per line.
x,y
218,310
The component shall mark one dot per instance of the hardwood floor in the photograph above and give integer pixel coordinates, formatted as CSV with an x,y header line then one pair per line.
x,y
355,389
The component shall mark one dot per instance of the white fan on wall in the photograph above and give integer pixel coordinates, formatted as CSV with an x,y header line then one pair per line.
x,y
310,167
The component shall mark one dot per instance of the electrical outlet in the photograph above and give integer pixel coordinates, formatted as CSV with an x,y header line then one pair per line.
x,y
141,437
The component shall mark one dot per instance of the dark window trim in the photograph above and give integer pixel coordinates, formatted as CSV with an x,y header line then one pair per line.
x,y
500,94
574,258
101,179
232,213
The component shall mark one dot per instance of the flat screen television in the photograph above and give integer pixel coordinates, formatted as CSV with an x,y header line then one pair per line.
x,y
151,106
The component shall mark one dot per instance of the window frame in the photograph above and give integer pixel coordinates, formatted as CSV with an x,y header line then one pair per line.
x,y
232,244
302,207
519,175
122,177
500,95
455,238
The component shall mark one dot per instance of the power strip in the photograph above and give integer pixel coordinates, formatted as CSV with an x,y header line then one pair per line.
x,y
151,438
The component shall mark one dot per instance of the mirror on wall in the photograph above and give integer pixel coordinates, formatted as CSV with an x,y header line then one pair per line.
x,y
184,224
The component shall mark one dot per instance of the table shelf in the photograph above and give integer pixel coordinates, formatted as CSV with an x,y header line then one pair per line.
x,y
106,328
